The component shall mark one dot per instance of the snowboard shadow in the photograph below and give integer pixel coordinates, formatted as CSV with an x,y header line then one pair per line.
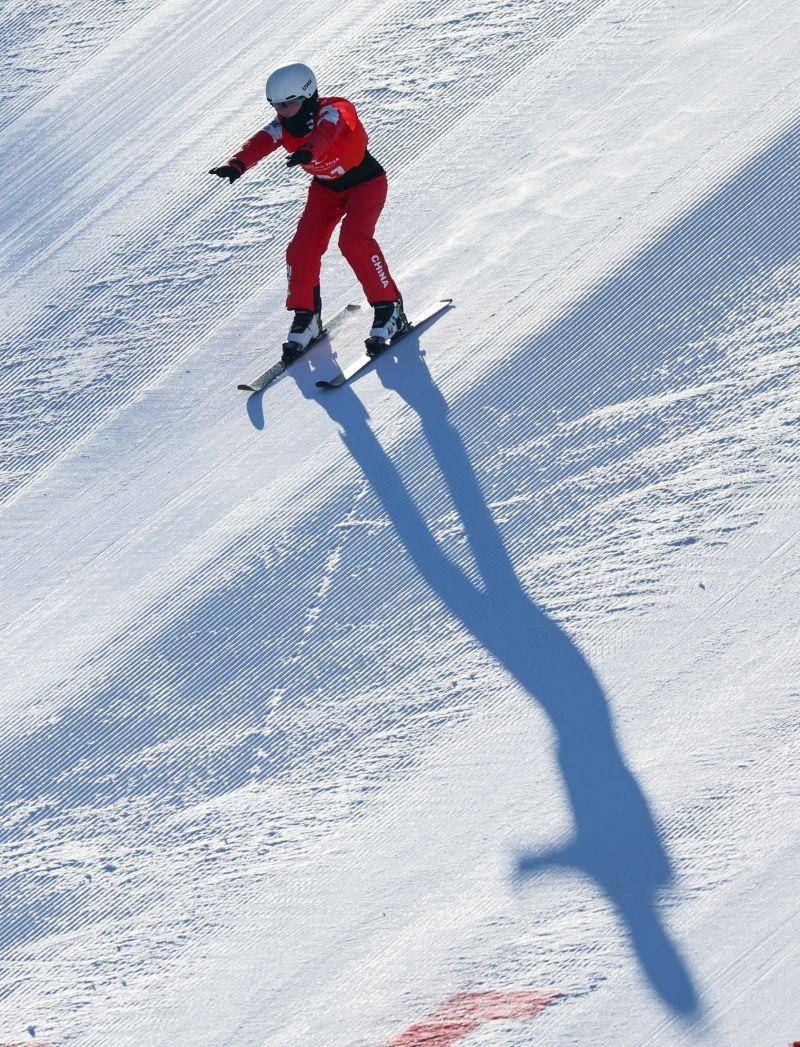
x,y
615,841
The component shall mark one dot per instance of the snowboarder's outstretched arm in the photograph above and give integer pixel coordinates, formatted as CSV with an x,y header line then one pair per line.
x,y
254,149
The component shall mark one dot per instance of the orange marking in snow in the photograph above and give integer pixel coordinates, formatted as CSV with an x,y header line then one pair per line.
x,y
464,1013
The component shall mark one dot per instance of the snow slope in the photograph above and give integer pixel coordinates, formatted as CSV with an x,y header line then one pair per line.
x,y
327,712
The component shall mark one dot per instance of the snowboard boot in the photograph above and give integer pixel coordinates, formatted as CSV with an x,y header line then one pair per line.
x,y
305,330
388,323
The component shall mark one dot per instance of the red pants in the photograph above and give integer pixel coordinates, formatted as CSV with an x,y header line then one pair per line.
x,y
360,207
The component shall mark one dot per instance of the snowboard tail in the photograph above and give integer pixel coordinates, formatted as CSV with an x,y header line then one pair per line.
x,y
277,369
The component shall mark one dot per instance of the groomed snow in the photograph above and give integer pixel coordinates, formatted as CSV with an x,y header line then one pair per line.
x,y
340,718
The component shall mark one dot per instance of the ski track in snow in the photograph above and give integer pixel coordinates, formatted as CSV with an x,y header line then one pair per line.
x,y
279,762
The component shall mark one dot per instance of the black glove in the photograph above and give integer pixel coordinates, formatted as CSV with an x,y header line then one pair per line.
x,y
227,171
301,156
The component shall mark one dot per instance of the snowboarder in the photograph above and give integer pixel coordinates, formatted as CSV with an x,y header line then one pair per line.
x,y
326,138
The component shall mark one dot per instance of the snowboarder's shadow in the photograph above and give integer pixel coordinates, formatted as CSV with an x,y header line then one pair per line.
x,y
615,841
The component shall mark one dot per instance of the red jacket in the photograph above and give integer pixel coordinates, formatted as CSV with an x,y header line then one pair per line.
x,y
338,141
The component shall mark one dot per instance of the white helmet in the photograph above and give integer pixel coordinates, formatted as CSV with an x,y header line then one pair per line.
x,y
291,82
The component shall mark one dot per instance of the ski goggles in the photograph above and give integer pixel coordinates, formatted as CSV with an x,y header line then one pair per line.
x,y
286,102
